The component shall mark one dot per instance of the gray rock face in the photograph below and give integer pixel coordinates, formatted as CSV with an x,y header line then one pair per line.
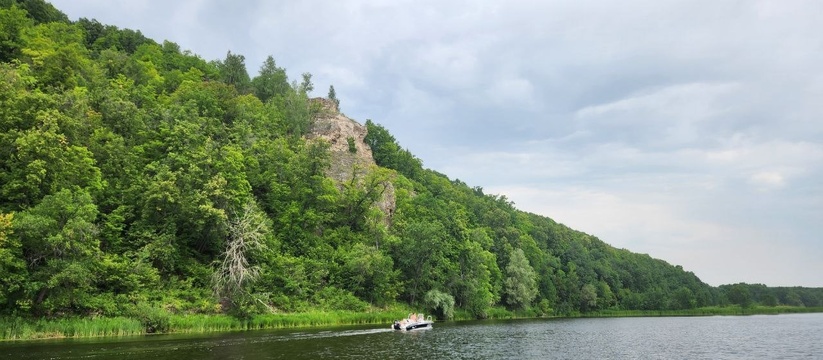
x,y
351,157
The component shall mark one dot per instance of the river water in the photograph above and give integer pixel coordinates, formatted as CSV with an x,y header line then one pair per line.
x,y
796,336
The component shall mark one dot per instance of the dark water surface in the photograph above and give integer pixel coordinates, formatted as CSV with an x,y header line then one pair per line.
x,y
797,336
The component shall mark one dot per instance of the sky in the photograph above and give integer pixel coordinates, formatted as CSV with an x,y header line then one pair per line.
x,y
687,130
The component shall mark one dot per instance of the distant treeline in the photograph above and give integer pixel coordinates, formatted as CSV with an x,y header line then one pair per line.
x,y
757,294
140,180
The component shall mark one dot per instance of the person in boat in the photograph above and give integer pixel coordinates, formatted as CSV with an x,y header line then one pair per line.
x,y
413,318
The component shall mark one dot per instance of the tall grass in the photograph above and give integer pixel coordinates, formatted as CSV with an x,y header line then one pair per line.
x,y
26,329
22,329
214,323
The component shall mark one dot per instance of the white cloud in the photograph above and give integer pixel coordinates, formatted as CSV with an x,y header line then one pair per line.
x,y
768,179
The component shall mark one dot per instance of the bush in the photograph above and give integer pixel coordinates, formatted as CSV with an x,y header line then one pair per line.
x,y
352,146
440,304
154,320
332,298
544,308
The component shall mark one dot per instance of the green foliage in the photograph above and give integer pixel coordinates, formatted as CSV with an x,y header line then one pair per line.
x,y
12,21
12,267
422,256
271,81
333,97
739,294
71,327
521,287
233,72
370,274
40,11
352,146
440,304
154,320
588,297
59,242
332,298
57,54
476,292
306,86
387,153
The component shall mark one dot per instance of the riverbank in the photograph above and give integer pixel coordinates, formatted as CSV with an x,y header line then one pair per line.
x,y
708,311
32,329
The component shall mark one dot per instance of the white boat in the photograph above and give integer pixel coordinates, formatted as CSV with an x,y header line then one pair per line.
x,y
413,322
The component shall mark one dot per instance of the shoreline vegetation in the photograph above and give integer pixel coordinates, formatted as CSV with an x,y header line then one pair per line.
x,y
20,329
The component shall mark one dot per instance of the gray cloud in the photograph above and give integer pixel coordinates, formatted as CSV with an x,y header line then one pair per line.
x,y
689,130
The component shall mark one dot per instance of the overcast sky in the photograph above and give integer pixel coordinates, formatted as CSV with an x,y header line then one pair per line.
x,y
688,130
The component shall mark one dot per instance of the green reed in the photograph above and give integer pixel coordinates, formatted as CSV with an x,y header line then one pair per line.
x,y
214,323
24,329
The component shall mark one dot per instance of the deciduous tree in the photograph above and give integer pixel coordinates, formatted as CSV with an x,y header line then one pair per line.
x,y
520,284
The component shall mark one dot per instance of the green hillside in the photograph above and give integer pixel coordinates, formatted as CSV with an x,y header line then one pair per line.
x,y
137,177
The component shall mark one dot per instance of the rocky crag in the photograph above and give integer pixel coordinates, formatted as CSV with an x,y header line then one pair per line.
x,y
351,158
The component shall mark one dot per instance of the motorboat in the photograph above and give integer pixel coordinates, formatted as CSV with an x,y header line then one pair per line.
x,y
413,322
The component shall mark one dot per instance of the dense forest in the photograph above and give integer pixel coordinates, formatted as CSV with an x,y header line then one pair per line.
x,y
135,175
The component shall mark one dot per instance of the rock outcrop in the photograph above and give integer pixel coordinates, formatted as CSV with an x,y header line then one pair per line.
x,y
350,155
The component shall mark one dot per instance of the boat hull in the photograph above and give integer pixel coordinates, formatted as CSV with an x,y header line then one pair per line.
x,y
413,326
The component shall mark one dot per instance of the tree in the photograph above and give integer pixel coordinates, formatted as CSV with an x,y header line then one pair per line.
x,y
306,87
235,274
387,153
57,54
683,298
475,285
370,274
44,161
43,12
520,284
272,81
12,21
233,72
769,300
12,266
422,256
60,244
588,297
739,294
440,304
333,97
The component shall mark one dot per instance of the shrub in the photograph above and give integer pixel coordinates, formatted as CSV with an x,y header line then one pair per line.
x,y
352,147
332,298
154,320
440,304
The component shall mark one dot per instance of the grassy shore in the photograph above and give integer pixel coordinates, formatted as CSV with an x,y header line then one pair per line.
x,y
24,329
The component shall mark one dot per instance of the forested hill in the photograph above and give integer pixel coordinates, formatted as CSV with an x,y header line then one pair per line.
x,y
135,175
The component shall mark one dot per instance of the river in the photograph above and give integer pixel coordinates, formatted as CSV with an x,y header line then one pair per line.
x,y
795,336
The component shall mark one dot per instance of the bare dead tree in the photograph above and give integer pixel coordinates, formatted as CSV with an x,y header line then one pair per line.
x,y
247,232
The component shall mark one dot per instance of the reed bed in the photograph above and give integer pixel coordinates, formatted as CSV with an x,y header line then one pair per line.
x,y
215,323
22,329
28,329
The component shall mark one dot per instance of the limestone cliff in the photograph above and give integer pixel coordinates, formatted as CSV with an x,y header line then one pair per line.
x,y
350,155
